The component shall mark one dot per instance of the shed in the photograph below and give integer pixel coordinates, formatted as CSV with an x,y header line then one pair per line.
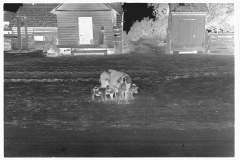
x,y
41,24
8,17
84,27
186,27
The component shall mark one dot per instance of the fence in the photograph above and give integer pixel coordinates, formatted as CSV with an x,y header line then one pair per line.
x,y
221,43
36,30
30,44
7,43
48,35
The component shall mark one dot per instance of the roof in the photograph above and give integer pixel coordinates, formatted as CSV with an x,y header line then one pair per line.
x,y
38,15
116,6
188,7
88,7
8,16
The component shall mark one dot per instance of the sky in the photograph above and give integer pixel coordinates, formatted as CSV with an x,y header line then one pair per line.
x,y
11,6
130,15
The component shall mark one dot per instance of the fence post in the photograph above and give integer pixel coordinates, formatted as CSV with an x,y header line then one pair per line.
x,y
168,49
210,43
206,43
26,31
117,39
19,33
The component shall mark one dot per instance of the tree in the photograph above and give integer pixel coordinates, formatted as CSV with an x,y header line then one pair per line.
x,y
151,28
160,10
220,17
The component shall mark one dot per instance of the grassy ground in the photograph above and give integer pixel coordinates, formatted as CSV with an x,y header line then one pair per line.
x,y
185,106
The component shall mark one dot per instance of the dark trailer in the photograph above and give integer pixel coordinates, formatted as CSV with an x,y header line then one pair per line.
x,y
186,27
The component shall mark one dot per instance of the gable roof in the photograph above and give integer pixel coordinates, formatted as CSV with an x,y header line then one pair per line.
x,y
88,7
117,6
188,7
8,16
38,15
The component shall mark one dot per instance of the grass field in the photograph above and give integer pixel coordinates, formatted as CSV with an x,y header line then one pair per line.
x,y
184,108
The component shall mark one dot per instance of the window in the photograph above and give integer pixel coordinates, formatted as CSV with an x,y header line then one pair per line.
x,y
39,38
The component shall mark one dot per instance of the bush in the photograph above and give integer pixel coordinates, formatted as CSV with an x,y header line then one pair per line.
x,y
128,45
149,29
220,17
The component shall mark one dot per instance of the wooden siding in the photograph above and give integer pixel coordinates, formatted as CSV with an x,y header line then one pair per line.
x,y
197,29
114,17
40,5
36,30
188,7
68,32
83,7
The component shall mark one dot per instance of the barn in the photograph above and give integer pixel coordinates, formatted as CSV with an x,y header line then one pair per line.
x,y
186,27
40,24
86,28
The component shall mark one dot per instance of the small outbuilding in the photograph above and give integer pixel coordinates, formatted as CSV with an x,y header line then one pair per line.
x,y
8,17
84,28
186,27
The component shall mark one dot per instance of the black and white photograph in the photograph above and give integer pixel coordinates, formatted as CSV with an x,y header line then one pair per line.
x,y
127,79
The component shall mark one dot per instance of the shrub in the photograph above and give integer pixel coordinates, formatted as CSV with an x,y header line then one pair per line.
x,y
128,45
220,17
149,29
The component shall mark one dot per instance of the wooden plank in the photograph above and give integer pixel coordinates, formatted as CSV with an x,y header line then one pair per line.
x,y
65,31
36,29
79,46
83,6
223,39
44,28
222,34
89,51
72,39
44,33
222,53
221,48
220,45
